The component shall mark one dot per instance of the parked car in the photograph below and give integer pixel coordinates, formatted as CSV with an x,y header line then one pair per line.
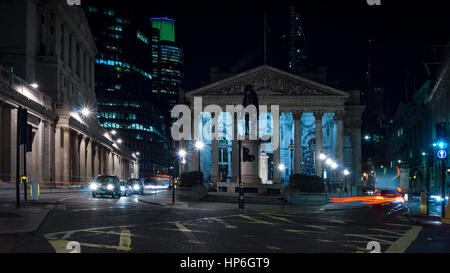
x,y
106,185
137,185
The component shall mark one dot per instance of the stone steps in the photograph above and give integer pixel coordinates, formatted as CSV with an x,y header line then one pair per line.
x,y
251,199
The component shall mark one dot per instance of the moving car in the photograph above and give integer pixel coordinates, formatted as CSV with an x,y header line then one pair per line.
x,y
126,188
106,185
137,185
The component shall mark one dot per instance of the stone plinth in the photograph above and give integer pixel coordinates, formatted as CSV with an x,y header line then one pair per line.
x,y
264,168
249,170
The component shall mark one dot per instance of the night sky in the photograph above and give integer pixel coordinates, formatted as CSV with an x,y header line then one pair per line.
x,y
230,34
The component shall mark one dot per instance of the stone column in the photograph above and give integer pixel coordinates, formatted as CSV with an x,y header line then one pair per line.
x,y
298,142
83,174
276,154
195,153
215,161
89,166
235,151
96,160
339,117
59,155
75,157
319,144
66,155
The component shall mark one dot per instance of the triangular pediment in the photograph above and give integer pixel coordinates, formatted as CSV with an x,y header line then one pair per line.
x,y
267,81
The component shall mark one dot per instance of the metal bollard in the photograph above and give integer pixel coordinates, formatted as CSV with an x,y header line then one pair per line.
x,y
35,191
423,203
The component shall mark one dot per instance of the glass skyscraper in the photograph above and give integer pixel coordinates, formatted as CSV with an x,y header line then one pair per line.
x,y
127,106
168,61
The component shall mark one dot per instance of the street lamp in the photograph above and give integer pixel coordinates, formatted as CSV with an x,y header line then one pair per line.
x,y
292,148
182,153
346,172
322,157
85,112
329,162
199,145
119,141
113,132
34,85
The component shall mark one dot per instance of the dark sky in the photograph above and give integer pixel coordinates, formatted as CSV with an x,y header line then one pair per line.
x,y
230,33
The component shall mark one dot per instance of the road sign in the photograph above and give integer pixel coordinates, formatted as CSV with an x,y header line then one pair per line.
x,y
442,154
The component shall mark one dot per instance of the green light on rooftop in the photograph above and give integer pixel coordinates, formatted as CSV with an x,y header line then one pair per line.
x,y
166,28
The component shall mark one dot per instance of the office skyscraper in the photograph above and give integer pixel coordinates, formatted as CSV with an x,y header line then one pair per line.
x,y
126,105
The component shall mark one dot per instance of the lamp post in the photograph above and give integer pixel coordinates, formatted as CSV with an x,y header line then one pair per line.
x,y
199,145
292,148
281,167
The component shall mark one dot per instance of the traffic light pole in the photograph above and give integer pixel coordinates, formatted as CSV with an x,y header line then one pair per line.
x,y
25,172
19,118
444,187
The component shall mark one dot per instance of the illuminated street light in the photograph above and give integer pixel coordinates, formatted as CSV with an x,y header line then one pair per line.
x,y
199,145
85,112
34,85
346,172
334,165
281,167
183,161
138,153
119,141
113,132
329,162
322,157
182,153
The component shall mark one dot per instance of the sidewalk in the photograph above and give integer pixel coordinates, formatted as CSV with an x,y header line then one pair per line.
x,y
24,220
10,189
414,215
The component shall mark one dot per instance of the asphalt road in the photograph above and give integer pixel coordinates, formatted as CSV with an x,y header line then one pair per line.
x,y
127,225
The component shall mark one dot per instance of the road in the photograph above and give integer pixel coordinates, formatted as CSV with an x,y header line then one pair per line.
x,y
128,225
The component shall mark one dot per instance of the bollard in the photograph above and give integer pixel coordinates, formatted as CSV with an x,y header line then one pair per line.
x,y
34,191
423,203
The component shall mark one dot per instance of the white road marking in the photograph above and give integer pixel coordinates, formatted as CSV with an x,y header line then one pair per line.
x,y
405,241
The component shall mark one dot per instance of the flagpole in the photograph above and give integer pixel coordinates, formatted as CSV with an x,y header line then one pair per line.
x,y
265,38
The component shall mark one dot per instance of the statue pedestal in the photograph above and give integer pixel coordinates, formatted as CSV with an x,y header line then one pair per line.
x,y
264,168
249,170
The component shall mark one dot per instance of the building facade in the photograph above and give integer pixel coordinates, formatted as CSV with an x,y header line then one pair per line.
x,y
127,107
411,136
48,67
314,119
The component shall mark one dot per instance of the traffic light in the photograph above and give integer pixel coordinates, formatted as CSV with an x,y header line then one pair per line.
x,y
29,138
22,118
246,156
441,131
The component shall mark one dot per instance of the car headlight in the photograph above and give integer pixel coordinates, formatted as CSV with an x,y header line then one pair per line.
x,y
122,188
110,187
94,186
136,187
